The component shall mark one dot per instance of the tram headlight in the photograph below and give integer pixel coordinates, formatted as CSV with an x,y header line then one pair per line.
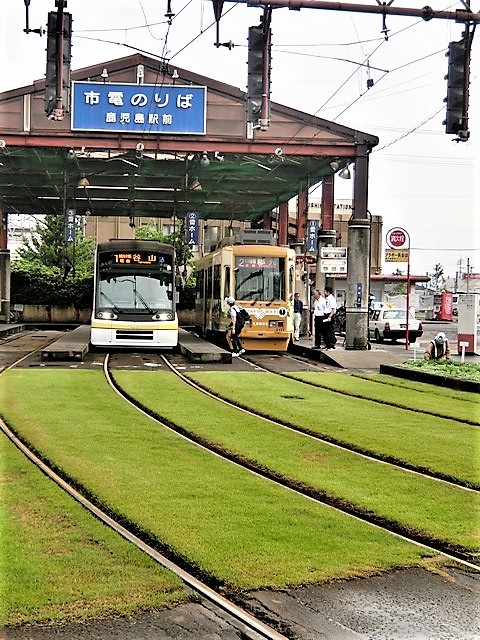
x,y
106,315
162,316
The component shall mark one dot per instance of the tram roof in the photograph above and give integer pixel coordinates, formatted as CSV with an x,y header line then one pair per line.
x,y
107,175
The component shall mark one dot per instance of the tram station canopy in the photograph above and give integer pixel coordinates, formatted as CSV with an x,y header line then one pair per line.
x,y
229,171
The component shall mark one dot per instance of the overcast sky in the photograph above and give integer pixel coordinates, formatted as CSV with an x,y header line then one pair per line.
x,y
420,179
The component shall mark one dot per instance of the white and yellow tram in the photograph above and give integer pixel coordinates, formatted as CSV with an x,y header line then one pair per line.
x,y
261,279
135,300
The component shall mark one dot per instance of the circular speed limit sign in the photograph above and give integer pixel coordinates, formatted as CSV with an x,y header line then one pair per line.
x,y
396,238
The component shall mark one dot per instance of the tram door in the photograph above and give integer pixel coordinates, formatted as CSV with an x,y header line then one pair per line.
x,y
207,314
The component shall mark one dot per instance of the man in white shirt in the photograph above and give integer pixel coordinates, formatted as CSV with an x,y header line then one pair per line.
x,y
328,322
319,310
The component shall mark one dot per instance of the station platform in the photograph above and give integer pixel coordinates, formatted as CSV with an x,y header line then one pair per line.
x,y
197,350
351,358
73,345
7,330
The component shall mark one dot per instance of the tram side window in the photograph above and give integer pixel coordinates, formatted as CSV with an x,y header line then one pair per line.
x,y
291,283
227,291
216,282
208,275
200,284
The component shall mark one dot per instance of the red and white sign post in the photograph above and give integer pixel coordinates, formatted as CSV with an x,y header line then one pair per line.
x,y
398,238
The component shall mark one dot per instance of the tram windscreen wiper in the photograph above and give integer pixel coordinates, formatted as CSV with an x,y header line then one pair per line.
x,y
110,301
138,295
253,274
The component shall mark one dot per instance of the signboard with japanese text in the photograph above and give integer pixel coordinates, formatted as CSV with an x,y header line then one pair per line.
x,y
138,108
396,255
312,236
135,257
337,253
70,225
333,259
333,266
192,228
397,238
256,262
306,260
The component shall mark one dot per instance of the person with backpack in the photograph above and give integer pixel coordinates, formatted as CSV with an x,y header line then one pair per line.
x,y
237,324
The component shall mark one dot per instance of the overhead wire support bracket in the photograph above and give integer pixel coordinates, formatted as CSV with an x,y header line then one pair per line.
x,y
384,18
425,13
27,29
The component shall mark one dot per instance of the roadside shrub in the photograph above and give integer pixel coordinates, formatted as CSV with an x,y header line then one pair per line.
x,y
45,286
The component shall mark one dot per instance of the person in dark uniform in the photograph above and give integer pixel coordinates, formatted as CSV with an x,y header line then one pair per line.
x,y
297,316
328,324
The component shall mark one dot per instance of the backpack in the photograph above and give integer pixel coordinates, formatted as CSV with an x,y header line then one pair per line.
x,y
242,317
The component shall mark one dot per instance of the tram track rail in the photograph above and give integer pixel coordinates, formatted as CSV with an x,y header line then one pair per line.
x,y
31,352
326,439
448,550
250,627
458,555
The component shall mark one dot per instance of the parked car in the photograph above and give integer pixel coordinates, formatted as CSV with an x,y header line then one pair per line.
x,y
390,323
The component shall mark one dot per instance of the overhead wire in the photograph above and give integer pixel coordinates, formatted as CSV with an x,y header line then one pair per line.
x,y
359,97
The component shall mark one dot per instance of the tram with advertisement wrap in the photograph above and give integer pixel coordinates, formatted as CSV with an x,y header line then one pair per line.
x,y
261,278
134,295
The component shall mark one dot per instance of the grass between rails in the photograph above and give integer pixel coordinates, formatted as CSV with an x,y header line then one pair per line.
x,y
58,563
424,441
443,511
232,525
459,408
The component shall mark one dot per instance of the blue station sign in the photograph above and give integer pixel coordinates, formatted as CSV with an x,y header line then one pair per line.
x,y
138,108
192,228
312,236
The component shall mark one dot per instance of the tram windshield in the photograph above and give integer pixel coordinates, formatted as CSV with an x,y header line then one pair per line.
x,y
135,288
259,278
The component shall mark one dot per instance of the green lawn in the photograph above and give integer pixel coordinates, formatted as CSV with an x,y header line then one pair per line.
x,y
240,528
432,390
462,406
58,563
438,444
263,536
445,512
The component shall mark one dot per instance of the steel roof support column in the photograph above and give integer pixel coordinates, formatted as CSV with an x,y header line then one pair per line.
x,y
302,214
327,234
358,272
283,224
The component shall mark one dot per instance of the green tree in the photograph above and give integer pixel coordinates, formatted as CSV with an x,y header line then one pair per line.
x,y
185,265
398,288
46,251
437,281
